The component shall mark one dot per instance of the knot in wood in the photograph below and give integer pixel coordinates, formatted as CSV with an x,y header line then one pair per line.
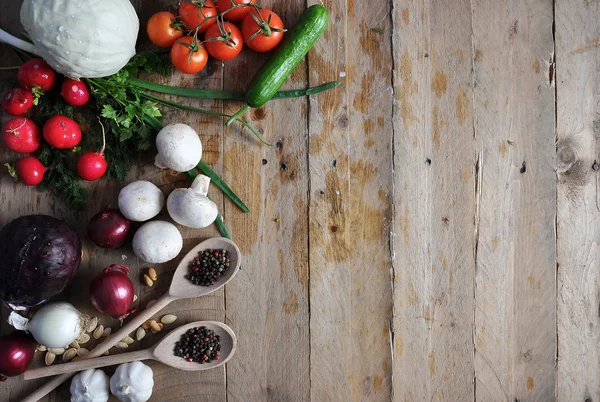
x,y
566,157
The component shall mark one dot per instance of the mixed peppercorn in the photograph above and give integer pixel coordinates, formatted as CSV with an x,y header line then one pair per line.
x,y
208,267
199,344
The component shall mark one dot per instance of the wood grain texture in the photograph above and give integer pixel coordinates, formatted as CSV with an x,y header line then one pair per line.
x,y
350,198
578,231
515,316
268,301
433,235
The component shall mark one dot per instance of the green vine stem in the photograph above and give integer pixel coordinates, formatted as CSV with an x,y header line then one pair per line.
x,y
225,95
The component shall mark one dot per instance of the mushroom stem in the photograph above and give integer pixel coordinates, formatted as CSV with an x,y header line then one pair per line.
x,y
201,184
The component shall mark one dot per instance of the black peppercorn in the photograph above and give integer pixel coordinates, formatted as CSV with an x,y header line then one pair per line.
x,y
200,345
208,267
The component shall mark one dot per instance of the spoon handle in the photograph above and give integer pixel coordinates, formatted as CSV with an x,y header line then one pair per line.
x,y
104,346
82,365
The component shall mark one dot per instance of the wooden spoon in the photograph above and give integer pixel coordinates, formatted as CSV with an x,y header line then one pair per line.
x,y
180,288
162,352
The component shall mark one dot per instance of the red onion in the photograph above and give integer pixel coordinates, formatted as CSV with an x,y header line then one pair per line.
x,y
111,292
108,228
16,352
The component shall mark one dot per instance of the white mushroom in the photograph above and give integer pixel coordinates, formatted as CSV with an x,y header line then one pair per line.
x,y
191,207
157,242
179,148
140,201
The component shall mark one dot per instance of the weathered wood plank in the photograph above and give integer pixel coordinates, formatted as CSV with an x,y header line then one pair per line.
x,y
350,189
515,325
267,304
578,220
434,201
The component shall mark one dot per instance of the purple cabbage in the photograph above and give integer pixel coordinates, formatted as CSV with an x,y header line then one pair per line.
x,y
39,257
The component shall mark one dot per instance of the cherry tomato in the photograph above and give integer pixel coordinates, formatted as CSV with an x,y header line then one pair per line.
x,y
92,166
21,135
75,93
265,28
36,73
62,132
236,14
223,47
188,56
193,14
17,102
30,170
162,30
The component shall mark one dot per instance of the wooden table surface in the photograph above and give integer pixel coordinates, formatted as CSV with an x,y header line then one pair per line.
x,y
429,231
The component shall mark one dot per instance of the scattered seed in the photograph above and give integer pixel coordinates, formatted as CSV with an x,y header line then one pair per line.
x,y
134,297
168,319
82,352
140,334
69,354
41,348
146,325
155,326
49,358
128,340
98,332
122,345
83,338
57,351
152,274
75,345
106,353
92,324
75,358
148,281
107,331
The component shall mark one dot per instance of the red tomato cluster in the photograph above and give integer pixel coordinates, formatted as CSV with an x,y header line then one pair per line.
x,y
22,135
261,29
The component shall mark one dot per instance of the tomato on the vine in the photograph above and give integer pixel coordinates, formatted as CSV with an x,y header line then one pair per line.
x,y
62,132
237,13
262,30
198,12
188,55
30,170
36,73
21,135
17,102
164,29
74,92
223,41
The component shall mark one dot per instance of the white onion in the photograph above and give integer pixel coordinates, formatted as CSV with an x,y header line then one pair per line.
x,y
55,325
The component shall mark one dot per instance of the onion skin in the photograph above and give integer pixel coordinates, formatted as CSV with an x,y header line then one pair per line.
x,y
108,228
16,353
111,292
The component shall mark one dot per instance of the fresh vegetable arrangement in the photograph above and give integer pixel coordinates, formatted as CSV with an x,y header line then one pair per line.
x,y
82,113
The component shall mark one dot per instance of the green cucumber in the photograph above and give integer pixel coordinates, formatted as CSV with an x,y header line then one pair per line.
x,y
295,45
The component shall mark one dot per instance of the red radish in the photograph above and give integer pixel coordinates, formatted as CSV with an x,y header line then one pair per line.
x,y
62,132
92,165
75,93
21,135
36,73
30,170
17,102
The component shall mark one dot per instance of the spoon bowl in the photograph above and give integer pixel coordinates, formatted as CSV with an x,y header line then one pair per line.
x,y
162,352
182,288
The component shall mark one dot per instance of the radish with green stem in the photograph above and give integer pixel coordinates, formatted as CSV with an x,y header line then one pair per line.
x,y
92,165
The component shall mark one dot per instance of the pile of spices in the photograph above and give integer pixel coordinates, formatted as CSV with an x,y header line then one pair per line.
x,y
200,345
208,267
